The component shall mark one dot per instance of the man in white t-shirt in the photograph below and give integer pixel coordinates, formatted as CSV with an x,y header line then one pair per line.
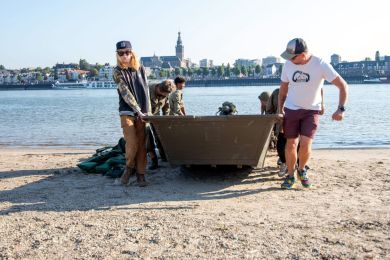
x,y
302,79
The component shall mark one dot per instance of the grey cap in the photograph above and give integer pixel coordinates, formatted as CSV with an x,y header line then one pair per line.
x,y
294,47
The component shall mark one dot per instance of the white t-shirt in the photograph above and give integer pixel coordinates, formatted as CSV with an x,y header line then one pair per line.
x,y
305,83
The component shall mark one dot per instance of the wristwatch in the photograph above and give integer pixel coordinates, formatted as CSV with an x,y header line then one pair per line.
x,y
342,108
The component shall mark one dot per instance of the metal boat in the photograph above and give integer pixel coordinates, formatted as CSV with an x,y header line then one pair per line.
x,y
240,140
102,85
70,85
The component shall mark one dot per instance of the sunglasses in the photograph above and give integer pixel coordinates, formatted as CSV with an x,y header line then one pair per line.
x,y
121,53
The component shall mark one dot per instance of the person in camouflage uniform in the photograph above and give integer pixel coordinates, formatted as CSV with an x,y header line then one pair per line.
x,y
159,102
263,97
277,135
134,104
176,103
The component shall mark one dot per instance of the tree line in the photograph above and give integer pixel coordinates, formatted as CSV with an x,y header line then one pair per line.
x,y
217,71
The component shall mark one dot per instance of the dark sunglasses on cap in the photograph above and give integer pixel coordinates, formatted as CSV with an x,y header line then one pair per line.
x,y
121,53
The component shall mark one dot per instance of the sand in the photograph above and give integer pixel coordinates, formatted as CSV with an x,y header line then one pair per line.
x,y
49,209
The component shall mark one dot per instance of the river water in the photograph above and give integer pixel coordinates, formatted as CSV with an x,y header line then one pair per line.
x,y
88,118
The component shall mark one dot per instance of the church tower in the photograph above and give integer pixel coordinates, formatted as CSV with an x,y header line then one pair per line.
x,y
179,48
377,56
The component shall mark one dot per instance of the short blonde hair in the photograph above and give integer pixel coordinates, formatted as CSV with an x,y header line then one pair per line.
x,y
133,64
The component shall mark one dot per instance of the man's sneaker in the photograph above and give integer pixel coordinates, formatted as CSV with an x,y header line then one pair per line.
x,y
304,178
127,173
288,183
282,170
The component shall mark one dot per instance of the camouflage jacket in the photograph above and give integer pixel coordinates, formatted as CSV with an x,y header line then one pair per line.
x,y
176,103
272,105
158,103
133,91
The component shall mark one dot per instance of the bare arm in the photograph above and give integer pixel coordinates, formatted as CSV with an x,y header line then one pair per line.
x,y
322,111
340,83
282,96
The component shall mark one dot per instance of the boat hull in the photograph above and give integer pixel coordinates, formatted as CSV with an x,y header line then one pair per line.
x,y
240,140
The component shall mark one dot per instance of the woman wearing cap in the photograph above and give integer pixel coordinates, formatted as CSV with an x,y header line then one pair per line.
x,y
134,103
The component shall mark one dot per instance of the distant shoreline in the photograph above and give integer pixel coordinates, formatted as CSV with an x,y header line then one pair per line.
x,y
231,82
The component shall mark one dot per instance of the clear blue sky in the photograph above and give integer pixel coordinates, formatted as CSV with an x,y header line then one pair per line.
x,y
43,32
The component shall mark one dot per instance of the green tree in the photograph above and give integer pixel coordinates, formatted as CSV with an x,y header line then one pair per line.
x,y
2,67
228,70
84,65
47,70
39,76
177,71
19,78
38,69
184,71
80,76
244,71
98,66
250,70
163,74
213,72
205,72
257,69
198,71
168,73
221,70
190,72
237,70
94,72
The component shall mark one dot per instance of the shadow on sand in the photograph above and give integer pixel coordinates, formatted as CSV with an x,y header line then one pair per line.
x,y
68,189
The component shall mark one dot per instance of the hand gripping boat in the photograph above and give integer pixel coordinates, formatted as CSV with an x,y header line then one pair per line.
x,y
240,140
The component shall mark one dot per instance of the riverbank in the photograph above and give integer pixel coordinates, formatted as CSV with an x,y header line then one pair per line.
x,y
228,82
48,209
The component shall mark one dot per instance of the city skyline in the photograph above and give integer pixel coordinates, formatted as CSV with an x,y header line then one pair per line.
x,y
45,33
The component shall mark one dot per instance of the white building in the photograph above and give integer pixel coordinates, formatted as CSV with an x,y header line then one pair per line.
x,y
247,62
205,63
62,78
270,60
335,59
272,70
11,79
106,72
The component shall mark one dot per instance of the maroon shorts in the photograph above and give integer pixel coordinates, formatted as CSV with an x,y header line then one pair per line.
x,y
300,122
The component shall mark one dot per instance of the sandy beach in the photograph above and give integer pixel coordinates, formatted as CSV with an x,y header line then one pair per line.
x,y
49,209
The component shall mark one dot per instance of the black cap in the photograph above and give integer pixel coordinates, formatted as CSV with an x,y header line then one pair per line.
x,y
294,47
123,45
